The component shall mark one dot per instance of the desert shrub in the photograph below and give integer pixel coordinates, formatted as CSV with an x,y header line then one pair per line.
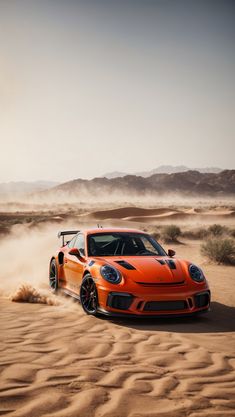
x,y
195,234
28,219
4,230
171,233
219,250
217,230
17,221
156,235
232,232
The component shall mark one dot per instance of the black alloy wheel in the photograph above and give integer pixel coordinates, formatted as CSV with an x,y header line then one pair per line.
x,y
53,276
88,295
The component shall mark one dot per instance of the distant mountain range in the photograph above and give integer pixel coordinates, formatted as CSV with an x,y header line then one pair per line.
x,y
22,187
190,183
163,169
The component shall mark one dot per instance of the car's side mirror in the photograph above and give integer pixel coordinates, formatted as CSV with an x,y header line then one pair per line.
x,y
76,252
171,253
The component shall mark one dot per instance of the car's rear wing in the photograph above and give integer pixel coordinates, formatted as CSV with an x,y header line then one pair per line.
x,y
67,232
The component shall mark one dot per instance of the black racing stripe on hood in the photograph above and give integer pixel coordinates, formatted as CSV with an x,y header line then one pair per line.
x,y
125,264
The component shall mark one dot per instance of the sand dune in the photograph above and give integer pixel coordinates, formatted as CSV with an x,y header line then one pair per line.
x,y
153,216
80,216
126,212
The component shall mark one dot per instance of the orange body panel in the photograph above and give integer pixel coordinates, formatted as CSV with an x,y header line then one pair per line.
x,y
153,282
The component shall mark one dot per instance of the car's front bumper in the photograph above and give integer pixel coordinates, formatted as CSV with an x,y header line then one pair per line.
x,y
177,303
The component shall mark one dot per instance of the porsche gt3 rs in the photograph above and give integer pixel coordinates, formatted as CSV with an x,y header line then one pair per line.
x,y
117,271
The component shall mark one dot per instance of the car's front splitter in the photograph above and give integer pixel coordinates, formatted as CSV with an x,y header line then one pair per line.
x,y
151,316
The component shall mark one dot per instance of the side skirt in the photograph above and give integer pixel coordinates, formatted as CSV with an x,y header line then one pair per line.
x,y
70,293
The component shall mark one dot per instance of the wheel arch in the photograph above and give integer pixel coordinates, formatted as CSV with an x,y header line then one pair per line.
x,y
86,272
53,278
52,259
89,300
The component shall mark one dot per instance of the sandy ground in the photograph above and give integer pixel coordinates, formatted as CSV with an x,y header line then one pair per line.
x,y
56,361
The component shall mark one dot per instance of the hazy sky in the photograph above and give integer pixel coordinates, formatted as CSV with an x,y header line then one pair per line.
x,y
88,87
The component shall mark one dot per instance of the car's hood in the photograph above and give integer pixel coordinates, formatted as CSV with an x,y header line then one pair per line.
x,y
149,269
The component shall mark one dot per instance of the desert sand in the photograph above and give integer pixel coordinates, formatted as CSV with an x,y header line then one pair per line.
x,y
57,361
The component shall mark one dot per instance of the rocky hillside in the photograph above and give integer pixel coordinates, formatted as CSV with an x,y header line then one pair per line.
x,y
188,183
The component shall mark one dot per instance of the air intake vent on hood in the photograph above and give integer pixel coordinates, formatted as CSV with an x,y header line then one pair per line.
x,y
171,264
125,264
161,261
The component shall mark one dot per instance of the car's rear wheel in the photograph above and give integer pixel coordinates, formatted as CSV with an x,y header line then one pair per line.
x,y
88,295
53,276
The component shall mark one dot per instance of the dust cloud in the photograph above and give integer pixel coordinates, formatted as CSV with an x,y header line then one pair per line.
x,y
28,294
25,257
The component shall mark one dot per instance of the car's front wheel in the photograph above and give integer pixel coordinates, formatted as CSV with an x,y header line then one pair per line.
x,y
53,276
88,295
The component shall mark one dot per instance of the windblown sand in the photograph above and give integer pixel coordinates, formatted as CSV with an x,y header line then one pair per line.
x,y
57,361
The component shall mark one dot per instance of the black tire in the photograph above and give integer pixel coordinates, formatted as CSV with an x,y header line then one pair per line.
x,y
53,276
88,295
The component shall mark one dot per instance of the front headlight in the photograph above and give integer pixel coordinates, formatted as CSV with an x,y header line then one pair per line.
x,y
110,274
196,273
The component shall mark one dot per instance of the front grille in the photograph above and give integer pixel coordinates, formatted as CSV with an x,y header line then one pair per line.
x,y
165,305
202,300
159,284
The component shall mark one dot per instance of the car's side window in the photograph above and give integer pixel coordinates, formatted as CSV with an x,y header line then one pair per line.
x,y
80,243
71,244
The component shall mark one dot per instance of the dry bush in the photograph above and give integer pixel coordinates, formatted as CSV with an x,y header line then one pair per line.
x,y
171,233
155,235
232,233
221,251
4,230
196,234
217,230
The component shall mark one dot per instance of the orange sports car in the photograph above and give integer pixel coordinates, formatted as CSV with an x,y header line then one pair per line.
x,y
126,272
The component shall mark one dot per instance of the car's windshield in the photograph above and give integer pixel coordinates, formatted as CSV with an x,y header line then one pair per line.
x,y
123,244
